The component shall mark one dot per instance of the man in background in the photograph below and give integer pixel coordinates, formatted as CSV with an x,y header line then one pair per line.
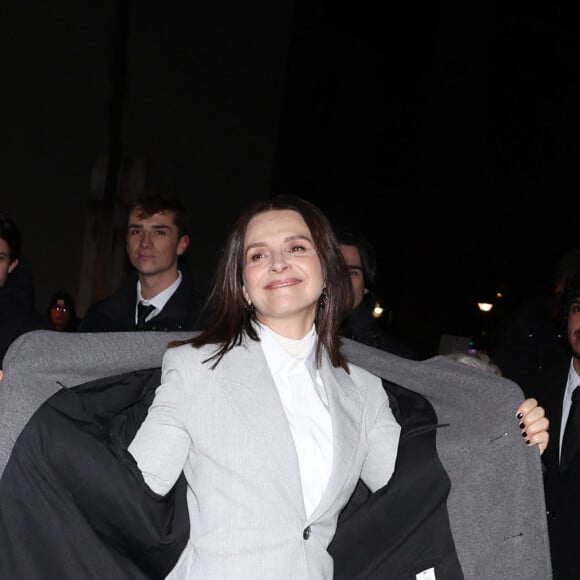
x,y
17,314
533,339
360,325
158,295
562,468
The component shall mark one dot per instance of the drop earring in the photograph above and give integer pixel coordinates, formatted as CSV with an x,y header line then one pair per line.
x,y
323,298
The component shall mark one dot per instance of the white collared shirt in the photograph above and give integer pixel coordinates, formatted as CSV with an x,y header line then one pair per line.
x,y
299,385
158,301
573,382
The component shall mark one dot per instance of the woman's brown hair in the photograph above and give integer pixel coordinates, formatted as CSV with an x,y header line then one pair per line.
x,y
226,314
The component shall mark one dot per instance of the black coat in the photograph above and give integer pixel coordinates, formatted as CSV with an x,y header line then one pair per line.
x,y
360,326
16,318
562,491
116,313
403,528
73,504
528,343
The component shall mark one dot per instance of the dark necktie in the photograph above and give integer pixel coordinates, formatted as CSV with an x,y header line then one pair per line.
x,y
142,312
571,441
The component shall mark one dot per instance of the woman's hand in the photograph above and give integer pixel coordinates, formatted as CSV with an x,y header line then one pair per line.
x,y
534,424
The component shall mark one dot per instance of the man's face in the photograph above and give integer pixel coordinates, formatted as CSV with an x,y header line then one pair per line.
x,y
6,266
574,327
355,270
153,243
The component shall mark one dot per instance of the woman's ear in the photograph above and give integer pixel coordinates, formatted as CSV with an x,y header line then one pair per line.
x,y
246,296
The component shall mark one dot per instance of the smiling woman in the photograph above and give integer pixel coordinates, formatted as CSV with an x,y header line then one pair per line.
x,y
283,278
269,365
269,358
265,423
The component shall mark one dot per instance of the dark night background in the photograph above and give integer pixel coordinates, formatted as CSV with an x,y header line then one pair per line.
x,y
447,131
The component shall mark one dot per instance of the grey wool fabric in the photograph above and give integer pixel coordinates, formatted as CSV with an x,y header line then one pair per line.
x,y
496,504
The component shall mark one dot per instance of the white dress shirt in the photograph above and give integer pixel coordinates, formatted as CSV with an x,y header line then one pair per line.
x,y
158,301
292,364
573,382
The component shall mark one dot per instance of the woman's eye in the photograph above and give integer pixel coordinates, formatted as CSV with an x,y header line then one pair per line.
x,y
296,249
257,256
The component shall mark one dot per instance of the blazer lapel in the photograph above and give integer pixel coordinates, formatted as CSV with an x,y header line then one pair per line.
x,y
345,400
249,386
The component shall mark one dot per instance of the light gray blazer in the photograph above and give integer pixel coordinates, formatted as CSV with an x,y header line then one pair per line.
x,y
228,428
496,505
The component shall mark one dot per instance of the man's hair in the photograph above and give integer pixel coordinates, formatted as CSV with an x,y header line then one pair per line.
x,y
352,237
570,294
566,284
151,202
11,234
568,264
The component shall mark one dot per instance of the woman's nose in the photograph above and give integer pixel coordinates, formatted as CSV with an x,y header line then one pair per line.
x,y
279,262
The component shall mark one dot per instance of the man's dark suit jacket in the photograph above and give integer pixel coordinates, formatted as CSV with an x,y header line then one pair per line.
x,y
562,490
16,318
116,313
362,327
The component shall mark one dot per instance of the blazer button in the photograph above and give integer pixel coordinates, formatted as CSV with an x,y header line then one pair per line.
x,y
306,533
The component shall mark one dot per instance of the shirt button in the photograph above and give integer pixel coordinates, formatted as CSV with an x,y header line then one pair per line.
x,y
306,533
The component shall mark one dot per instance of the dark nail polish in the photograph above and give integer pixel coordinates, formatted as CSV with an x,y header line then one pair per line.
x,y
527,441
522,425
519,415
524,434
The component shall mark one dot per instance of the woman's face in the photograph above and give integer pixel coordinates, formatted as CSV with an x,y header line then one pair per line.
x,y
59,315
282,272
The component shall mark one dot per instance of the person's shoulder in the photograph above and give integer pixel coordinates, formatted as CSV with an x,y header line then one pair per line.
x,y
188,292
94,317
363,377
125,294
179,350
107,313
187,353
21,315
187,279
